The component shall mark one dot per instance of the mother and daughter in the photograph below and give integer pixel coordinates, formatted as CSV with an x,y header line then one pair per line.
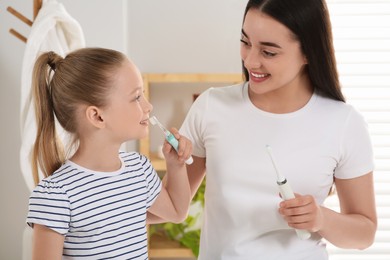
x,y
95,202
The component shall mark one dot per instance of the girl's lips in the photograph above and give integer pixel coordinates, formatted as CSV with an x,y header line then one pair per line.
x,y
144,122
258,77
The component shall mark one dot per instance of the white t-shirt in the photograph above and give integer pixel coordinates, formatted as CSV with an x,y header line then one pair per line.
x,y
101,214
325,138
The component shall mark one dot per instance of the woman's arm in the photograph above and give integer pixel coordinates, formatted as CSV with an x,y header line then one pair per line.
x,y
47,244
196,173
355,225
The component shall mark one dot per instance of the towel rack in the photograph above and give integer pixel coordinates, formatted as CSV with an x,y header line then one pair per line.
x,y
37,4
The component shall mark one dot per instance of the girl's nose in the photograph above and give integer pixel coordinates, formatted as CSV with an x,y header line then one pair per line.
x,y
148,107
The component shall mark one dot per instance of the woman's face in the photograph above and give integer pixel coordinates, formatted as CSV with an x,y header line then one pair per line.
x,y
271,54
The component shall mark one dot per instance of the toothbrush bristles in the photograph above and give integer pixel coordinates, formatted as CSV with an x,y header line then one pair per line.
x,y
153,120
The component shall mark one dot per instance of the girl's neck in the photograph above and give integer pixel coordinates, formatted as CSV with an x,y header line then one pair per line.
x,y
101,160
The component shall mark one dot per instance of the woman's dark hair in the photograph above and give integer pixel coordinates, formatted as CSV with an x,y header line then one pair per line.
x,y
309,21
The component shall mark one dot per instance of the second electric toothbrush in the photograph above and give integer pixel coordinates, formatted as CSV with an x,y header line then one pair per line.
x,y
169,137
286,192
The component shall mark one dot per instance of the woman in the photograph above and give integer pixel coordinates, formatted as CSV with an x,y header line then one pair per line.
x,y
291,100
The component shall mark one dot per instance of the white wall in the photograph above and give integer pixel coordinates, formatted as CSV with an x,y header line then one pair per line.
x,y
185,36
104,25
159,36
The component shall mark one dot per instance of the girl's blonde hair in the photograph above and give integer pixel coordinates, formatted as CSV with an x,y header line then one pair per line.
x,y
59,86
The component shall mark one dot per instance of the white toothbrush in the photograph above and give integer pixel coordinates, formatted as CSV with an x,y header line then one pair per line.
x,y
169,136
286,191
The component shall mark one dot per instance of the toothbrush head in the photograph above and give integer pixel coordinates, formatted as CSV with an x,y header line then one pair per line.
x,y
153,120
279,176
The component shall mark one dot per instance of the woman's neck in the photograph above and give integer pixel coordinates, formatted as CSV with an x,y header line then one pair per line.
x,y
286,99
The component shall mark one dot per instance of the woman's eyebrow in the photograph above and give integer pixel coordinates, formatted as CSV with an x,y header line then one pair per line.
x,y
244,33
270,44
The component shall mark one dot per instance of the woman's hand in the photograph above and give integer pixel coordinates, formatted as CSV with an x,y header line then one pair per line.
x,y
302,212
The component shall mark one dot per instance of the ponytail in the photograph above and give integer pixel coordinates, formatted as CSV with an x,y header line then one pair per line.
x,y
48,152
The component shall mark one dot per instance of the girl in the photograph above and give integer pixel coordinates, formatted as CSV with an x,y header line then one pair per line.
x,y
94,203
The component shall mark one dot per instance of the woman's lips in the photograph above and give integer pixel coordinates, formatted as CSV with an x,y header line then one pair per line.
x,y
258,77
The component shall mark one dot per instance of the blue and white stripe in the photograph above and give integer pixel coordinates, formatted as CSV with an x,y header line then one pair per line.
x,y
102,215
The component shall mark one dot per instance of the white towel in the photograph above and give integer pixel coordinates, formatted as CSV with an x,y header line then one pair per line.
x,y
53,30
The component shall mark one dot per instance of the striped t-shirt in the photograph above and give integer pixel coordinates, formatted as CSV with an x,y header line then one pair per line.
x,y
102,215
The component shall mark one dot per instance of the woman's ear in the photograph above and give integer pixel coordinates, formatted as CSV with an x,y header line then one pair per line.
x,y
305,60
94,116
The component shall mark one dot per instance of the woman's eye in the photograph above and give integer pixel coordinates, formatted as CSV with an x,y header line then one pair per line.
x,y
244,42
269,54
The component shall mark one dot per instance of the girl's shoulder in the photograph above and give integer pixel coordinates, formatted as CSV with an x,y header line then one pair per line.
x,y
134,158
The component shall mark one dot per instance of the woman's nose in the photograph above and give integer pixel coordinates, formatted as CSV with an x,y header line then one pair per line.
x,y
252,59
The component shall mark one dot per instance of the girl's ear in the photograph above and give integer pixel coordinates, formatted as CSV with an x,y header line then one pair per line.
x,y
94,116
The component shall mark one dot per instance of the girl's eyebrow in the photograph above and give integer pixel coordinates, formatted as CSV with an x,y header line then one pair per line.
x,y
134,90
270,44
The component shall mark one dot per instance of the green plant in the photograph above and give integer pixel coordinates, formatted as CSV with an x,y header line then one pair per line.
x,y
188,232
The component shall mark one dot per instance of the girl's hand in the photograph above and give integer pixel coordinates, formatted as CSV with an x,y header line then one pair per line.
x,y
184,151
302,212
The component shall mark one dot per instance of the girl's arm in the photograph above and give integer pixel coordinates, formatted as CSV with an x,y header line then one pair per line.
x,y
173,202
47,244
196,172
354,227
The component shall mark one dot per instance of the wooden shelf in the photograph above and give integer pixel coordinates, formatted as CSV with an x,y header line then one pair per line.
x,y
160,247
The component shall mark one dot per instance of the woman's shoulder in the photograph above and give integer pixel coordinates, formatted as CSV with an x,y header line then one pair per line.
x,y
329,104
337,109
227,90
223,93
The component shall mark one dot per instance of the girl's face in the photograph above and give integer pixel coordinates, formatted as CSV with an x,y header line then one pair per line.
x,y
271,55
127,112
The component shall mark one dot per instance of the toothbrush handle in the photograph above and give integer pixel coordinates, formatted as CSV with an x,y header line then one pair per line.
x,y
175,144
287,193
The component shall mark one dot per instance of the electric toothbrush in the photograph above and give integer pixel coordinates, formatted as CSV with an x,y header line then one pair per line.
x,y
286,192
169,137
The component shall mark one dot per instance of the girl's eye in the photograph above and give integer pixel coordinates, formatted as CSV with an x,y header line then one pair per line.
x,y
138,98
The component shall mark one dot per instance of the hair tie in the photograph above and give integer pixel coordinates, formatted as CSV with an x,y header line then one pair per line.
x,y
51,57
